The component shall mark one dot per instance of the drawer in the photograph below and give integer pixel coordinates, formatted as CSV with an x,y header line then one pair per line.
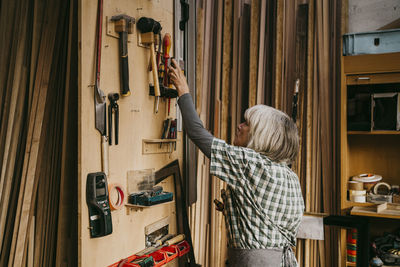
x,y
381,78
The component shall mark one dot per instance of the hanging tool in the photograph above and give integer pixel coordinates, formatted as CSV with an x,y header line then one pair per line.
x,y
124,25
295,100
99,97
166,47
98,205
148,28
113,108
168,242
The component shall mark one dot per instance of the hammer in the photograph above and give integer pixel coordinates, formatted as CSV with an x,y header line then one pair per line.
x,y
124,25
148,27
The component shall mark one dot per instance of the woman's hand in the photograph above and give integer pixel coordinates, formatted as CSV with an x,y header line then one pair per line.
x,y
177,78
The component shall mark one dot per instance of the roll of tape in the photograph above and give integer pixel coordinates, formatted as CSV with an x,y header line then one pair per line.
x,y
382,188
359,199
367,178
117,203
358,192
355,185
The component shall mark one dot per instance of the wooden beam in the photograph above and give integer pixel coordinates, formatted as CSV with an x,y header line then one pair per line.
x,y
69,144
29,185
226,69
260,99
14,124
254,41
279,54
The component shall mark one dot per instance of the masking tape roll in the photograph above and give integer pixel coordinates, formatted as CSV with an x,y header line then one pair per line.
x,y
359,199
355,185
378,190
358,192
116,204
367,177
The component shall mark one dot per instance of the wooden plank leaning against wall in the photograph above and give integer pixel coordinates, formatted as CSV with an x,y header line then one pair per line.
x,y
137,122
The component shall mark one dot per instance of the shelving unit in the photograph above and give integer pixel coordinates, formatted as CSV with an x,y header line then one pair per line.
x,y
367,151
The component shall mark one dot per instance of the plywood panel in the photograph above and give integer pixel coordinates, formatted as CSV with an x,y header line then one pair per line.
x,y
137,122
375,154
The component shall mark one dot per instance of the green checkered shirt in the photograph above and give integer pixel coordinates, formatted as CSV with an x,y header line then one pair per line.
x,y
263,200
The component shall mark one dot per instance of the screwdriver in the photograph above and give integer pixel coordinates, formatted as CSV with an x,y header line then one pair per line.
x,y
166,48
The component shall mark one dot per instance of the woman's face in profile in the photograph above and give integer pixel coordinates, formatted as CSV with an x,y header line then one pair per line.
x,y
242,135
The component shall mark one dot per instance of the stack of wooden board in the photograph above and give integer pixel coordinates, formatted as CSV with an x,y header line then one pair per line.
x,y
36,63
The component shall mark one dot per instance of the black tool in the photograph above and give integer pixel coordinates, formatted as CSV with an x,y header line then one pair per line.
x,y
99,208
164,92
148,28
113,108
295,100
124,25
144,262
145,24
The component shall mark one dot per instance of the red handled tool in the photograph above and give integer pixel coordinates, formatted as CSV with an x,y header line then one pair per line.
x,y
166,47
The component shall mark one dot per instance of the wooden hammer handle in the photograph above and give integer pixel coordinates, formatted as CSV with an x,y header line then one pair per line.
x,y
175,240
154,70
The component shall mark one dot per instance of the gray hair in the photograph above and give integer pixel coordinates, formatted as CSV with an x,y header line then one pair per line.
x,y
272,133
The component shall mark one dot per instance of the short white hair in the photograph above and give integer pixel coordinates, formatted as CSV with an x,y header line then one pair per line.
x,y
272,133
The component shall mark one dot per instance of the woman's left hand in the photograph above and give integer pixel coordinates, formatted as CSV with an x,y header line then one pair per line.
x,y
177,78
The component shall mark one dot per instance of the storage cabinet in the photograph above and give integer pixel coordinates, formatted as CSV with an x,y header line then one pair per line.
x,y
364,149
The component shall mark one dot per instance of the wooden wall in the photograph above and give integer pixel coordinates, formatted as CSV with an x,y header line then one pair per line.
x,y
137,122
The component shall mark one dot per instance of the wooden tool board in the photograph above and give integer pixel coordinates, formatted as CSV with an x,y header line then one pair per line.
x,y
137,122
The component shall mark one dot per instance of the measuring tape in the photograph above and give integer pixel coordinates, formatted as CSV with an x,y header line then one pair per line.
x,y
113,188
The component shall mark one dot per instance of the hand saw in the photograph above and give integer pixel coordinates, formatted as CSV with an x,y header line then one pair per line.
x,y
99,97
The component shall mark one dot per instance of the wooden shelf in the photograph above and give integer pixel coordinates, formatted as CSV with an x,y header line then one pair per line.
x,y
349,204
158,146
350,264
373,132
359,204
142,207
393,213
159,140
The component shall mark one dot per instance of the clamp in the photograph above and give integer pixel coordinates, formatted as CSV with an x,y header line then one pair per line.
x,y
113,108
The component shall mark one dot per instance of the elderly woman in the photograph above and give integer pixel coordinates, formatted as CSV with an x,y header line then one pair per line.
x,y
263,204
